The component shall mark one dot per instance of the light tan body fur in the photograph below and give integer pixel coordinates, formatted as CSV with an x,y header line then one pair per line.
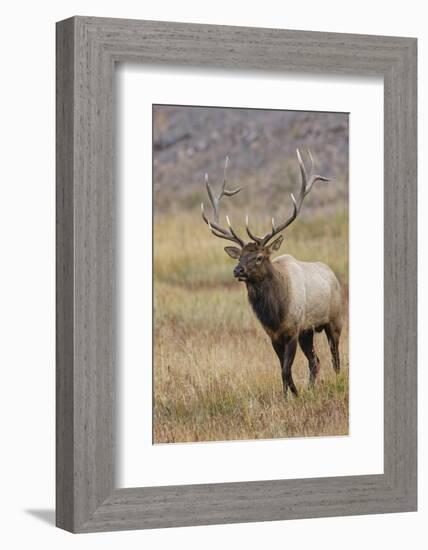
x,y
312,295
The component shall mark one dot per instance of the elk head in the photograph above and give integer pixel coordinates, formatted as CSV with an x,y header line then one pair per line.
x,y
254,257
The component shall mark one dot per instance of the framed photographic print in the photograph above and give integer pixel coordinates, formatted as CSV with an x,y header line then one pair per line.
x,y
236,274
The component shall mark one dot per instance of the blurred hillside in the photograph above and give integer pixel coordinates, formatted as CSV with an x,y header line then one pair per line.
x,y
261,145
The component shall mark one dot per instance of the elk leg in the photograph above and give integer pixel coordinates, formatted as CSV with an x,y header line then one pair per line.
x,y
290,346
278,346
285,349
306,341
333,336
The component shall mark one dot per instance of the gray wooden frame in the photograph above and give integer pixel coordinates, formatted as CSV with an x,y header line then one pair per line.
x,y
87,50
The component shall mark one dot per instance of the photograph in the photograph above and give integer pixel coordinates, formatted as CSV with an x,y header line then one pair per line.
x,y
250,273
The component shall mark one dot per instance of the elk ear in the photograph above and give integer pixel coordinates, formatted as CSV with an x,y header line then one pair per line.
x,y
276,244
233,251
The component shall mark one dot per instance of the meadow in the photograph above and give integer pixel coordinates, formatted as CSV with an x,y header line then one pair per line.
x,y
216,376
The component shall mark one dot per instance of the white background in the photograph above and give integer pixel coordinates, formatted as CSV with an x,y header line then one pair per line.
x,y
27,286
362,451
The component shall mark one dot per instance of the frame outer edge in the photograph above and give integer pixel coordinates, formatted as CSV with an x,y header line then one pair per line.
x,y
400,212
94,275
411,80
65,108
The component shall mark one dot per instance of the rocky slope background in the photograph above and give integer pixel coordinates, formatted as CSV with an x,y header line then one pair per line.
x,y
261,144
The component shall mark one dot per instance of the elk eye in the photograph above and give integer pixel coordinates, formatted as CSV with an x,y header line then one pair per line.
x,y
259,259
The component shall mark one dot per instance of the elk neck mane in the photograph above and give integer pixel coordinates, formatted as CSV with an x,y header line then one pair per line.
x,y
267,298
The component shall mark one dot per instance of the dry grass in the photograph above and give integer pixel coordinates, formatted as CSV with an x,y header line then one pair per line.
x,y
216,375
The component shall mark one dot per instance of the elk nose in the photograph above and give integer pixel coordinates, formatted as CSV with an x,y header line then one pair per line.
x,y
239,270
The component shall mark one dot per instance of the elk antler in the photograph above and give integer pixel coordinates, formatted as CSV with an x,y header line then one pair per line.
x,y
216,229
305,189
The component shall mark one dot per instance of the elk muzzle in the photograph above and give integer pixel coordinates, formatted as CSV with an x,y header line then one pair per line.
x,y
239,273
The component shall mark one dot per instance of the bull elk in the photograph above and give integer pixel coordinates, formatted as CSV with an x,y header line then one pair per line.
x,y
292,299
